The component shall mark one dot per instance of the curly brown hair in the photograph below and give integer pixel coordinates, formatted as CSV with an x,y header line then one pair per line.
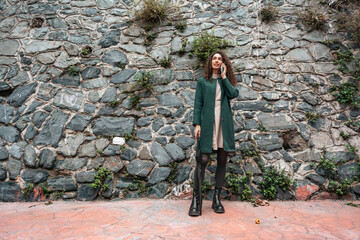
x,y
229,68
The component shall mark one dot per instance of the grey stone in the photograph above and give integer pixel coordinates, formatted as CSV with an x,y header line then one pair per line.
x,y
4,153
87,150
314,36
159,154
107,193
58,36
184,62
69,98
162,76
114,57
59,183
9,134
263,106
286,156
85,177
161,140
34,175
319,180
10,192
175,152
144,121
7,113
112,150
310,98
321,53
128,154
182,129
157,124
33,107
95,83
113,126
124,182
67,80
268,142
158,191
79,122
14,167
189,97
8,47
2,172
14,70
90,11
349,171
163,111
182,173
87,193
184,76
44,8
298,55
110,38
57,23
169,100
30,156
114,164
270,95
105,4
159,174
185,142
167,131
144,134
42,46
47,159
277,121
89,108
18,97
246,93
19,79
79,39
140,168
21,122
90,73
52,131
307,156
249,167
4,86
109,95
133,48
123,76
38,118
17,149
251,124
71,164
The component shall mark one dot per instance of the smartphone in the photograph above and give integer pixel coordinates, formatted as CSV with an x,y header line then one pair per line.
x,y
221,69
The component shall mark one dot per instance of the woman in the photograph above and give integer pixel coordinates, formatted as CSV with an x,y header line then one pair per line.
x,y
214,124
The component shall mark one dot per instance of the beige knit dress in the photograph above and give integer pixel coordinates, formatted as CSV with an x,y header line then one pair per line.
x,y
217,133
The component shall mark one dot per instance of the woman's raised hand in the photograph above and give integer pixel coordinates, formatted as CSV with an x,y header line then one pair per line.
x,y
197,131
223,74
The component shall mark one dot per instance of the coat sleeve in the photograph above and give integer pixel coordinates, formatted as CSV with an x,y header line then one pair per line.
x,y
229,89
198,103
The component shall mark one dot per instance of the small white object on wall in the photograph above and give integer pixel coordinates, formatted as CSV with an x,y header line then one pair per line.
x,y
118,141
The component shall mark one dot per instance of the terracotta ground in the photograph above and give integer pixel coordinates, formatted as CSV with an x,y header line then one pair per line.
x,y
168,219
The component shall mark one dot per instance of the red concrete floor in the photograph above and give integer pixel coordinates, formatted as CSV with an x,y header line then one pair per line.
x,y
168,219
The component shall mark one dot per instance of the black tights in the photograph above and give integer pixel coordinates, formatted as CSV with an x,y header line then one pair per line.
x,y
220,169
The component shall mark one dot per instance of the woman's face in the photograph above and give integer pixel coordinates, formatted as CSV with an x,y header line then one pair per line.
x,y
216,61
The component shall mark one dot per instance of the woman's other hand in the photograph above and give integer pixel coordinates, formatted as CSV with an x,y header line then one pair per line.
x,y
197,131
223,74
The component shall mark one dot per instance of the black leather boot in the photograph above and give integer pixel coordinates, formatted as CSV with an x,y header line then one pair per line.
x,y
196,204
216,204
195,207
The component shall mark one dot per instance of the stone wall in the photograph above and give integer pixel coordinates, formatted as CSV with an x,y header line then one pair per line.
x,y
56,127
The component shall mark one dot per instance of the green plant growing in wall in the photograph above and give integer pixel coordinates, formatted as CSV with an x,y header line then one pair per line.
x,y
351,149
312,116
129,136
250,152
45,190
59,193
182,50
346,93
313,18
153,12
206,186
207,43
172,174
135,101
340,188
351,24
100,177
344,135
144,81
28,190
262,128
165,62
181,26
239,185
72,70
274,178
268,13
327,164
354,125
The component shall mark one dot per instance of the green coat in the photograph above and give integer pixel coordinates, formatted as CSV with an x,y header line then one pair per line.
x,y
204,112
